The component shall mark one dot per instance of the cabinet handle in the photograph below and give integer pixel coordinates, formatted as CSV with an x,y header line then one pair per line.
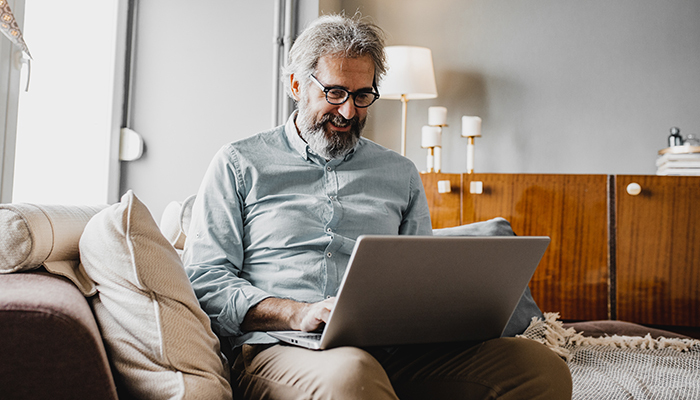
x,y
476,187
444,187
633,189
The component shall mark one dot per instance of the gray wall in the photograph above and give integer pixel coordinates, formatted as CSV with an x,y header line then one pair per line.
x,y
202,79
562,86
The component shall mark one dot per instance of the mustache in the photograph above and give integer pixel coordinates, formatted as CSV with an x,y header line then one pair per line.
x,y
338,120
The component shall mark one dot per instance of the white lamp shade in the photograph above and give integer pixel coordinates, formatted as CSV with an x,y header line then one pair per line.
x,y
410,73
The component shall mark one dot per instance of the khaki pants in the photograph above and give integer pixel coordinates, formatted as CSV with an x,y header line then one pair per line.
x,y
506,368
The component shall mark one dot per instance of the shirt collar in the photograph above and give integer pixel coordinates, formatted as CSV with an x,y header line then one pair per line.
x,y
290,129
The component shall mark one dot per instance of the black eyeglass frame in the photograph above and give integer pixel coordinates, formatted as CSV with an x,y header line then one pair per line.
x,y
348,93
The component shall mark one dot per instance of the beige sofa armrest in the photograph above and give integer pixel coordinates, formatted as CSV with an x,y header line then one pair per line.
x,y
33,235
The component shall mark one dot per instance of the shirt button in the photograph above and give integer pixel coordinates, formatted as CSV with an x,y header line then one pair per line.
x,y
332,198
329,169
329,230
329,254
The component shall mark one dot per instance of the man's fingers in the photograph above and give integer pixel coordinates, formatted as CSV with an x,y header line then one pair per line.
x,y
324,313
329,303
317,314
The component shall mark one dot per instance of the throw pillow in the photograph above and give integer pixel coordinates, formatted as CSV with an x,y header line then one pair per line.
x,y
526,308
175,221
158,337
34,235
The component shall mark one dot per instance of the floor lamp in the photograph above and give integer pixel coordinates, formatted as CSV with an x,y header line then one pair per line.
x,y
410,77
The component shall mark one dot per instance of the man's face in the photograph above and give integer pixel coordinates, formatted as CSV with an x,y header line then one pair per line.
x,y
333,130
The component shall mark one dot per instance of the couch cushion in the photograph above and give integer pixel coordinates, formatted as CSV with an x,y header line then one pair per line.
x,y
44,235
175,221
526,308
621,328
158,337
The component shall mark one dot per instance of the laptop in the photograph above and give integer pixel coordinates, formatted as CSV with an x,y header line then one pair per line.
x,y
426,289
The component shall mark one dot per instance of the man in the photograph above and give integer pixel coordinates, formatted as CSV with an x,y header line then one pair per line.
x,y
275,221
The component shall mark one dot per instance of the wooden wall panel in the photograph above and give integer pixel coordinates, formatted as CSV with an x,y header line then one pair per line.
x,y
658,250
445,208
572,277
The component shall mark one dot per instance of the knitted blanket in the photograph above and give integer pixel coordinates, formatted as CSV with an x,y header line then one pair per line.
x,y
622,367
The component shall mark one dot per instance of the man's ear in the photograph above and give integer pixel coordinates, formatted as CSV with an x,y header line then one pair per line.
x,y
295,87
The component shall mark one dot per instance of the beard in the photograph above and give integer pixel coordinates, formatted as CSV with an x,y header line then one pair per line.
x,y
328,143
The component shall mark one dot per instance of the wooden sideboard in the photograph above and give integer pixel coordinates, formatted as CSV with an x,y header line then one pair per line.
x,y
613,255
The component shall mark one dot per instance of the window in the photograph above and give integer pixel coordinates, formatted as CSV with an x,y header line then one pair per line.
x,y
9,92
68,122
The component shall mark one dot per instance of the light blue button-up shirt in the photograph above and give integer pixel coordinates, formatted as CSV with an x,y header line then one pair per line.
x,y
274,219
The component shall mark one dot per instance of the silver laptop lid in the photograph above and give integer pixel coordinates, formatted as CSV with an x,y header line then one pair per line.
x,y
426,289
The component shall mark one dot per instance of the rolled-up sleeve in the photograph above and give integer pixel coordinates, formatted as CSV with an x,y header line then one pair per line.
x,y
214,253
416,217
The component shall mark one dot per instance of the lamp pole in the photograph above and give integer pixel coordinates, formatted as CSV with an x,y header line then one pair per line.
x,y
404,102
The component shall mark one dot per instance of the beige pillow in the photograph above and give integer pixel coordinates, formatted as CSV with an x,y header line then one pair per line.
x,y
34,235
158,337
175,221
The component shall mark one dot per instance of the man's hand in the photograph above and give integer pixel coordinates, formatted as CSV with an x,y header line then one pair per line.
x,y
317,314
273,314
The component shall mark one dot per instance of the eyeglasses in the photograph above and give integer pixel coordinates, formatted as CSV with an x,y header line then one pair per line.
x,y
337,95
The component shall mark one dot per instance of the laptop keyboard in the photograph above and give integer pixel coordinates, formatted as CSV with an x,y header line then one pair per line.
x,y
313,336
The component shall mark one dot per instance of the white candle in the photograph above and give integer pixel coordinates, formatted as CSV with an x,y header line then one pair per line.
x,y
437,116
471,126
431,137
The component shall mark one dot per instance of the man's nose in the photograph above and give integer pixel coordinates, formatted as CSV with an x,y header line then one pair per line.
x,y
347,109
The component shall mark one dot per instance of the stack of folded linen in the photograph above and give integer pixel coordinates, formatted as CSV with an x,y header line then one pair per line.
x,y
679,160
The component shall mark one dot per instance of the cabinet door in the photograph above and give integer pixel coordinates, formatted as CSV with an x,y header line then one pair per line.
x,y
444,207
657,255
572,277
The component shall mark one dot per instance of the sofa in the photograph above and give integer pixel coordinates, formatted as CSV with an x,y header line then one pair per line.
x,y
95,304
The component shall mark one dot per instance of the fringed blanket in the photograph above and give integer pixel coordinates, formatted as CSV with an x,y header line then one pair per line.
x,y
622,367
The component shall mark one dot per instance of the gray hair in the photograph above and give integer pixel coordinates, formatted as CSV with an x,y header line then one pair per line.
x,y
335,35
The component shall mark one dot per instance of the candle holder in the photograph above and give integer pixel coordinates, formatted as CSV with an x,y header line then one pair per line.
x,y
438,151
471,128
430,159
431,139
437,118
